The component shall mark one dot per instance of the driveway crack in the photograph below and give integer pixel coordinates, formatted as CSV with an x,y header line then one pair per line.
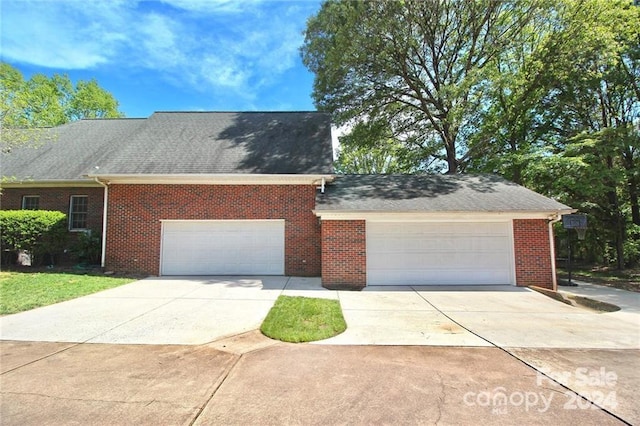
x,y
71,345
215,390
533,367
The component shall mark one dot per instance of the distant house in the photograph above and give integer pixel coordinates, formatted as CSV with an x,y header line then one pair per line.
x,y
254,193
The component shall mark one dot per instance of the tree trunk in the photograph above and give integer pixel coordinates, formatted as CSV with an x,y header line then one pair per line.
x,y
633,183
618,220
633,200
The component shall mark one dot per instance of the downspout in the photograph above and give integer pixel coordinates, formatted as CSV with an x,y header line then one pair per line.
x,y
552,247
103,254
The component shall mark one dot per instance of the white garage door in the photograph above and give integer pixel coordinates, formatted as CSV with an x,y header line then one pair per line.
x,y
402,253
222,247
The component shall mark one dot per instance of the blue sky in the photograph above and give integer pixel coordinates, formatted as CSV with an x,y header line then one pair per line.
x,y
167,55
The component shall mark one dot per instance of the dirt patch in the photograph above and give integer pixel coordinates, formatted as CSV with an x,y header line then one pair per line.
x,y
595,305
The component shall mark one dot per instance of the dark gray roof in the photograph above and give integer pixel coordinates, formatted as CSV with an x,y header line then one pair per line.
x,y
69,151
431,193
180,143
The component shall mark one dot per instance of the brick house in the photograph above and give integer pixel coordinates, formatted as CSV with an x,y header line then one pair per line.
x,y
203,193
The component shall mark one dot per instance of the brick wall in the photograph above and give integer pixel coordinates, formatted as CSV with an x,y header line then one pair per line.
x,y
135,211
58,199
532,253
344,254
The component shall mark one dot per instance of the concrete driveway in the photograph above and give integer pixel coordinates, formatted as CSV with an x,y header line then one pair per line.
x,y
61,384
594,354
503,316
198,310
171,310
489,335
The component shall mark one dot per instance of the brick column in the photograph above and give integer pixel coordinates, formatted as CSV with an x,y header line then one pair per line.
x,y
532,250
344,254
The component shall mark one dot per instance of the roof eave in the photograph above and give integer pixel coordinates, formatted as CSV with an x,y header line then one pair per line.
x,y
49,183
214,179
453,216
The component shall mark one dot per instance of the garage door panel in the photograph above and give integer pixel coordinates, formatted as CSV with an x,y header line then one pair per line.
x,y
425,253
223,247
445,277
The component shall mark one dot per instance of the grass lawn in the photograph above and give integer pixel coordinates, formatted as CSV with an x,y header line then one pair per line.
x,y
21,291
303,319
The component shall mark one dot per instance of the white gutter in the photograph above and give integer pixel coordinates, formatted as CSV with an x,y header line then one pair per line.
x,y
103,254
445,216
214,179
49,183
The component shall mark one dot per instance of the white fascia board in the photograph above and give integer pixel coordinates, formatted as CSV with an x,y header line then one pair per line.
x,y
214,179
377,216
219,220
51,183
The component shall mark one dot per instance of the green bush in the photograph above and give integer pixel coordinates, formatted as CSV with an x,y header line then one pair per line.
x,y
632,246
40,232
87,248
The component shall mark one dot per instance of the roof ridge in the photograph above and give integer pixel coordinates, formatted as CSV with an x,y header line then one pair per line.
x,y
108,119
240,112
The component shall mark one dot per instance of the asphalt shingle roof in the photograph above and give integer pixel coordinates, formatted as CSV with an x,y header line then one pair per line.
x,y
431,193
69,151
180,143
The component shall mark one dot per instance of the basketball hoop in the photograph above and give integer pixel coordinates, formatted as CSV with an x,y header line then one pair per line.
x,y
579,223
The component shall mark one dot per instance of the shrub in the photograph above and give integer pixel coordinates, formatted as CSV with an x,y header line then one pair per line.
x,y
632,246
87,248
40,232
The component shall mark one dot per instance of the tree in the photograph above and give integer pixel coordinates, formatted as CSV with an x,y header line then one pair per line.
x,y
593,109
575,134
92,101
545,93
369,148
419,66
45,101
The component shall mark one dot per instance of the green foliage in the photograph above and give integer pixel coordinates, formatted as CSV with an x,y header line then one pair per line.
x,y
23,291
45,101
87,248
92,101
38,231
545,93
632,246
418,66
303,319
370,148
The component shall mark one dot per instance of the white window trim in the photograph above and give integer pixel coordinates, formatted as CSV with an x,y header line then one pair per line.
x,y
71,213
24,197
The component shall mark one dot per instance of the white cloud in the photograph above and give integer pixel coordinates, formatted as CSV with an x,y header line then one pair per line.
x,y
223,45
212,6
156,39
48,34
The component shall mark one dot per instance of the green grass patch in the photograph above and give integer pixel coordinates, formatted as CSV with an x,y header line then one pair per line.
x,y
21,291
303,319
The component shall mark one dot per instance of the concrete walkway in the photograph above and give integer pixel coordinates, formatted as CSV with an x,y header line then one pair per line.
x,y
627,301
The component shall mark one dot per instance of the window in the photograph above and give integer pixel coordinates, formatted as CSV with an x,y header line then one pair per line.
x,y
30,202
78,212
